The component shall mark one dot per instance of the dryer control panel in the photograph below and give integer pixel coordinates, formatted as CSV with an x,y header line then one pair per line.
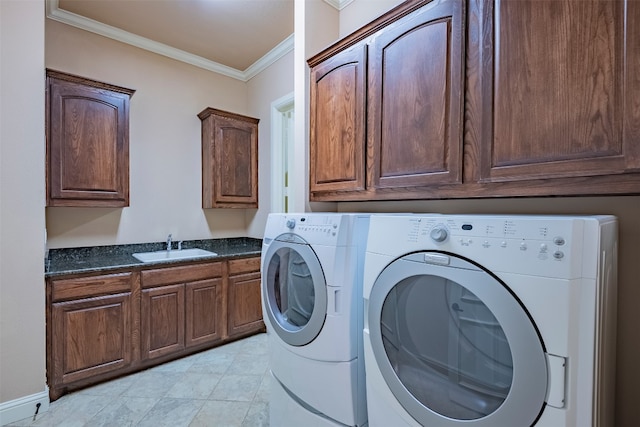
x,y
538,245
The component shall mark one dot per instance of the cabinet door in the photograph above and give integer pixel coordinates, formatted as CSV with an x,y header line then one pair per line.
x,y
229,160
162,321
89,336
244,311
554,89
415,99
88,142
205,313
337,122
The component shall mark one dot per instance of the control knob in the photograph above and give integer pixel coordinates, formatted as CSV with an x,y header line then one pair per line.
x,y
291,223
439,233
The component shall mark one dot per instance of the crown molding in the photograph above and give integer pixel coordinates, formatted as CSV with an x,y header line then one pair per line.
x,y
60,15
339,4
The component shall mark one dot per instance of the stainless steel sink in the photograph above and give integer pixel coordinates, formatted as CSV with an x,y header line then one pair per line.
x,y
159,256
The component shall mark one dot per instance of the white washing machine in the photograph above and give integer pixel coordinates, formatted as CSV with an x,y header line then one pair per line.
x,y
490,321
313,310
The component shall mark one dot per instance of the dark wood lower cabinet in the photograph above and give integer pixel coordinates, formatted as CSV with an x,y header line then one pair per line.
x,y
103,326
244,297
89,334
204,312
162,321
92,336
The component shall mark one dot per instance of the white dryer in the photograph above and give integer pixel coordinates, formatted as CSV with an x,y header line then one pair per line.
x,y
313,310
490,321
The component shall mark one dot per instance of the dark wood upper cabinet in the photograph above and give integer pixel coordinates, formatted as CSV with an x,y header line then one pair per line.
x,y
337,123
482,98
415,99
229,160
554,90
87,125
386,105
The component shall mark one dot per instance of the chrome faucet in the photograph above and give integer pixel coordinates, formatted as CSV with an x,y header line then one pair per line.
x,y
169,243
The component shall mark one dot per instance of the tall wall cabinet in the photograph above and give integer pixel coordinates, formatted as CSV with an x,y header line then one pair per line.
x,y
454,98
229,160
87,124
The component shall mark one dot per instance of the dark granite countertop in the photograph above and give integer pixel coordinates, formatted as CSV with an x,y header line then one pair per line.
x,y
95,259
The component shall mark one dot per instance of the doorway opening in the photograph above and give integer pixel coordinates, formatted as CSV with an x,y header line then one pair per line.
x,y
282,120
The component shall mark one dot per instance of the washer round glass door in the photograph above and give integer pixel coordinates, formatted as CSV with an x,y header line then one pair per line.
x,y
294,290
454,345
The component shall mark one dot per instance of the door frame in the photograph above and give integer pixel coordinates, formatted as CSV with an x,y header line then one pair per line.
x,y
281,153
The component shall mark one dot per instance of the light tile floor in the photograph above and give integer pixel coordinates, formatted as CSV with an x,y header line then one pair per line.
x,y
227,386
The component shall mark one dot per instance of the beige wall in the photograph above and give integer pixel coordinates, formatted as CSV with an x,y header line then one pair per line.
x,y
270,85
165,156
360,12
22,323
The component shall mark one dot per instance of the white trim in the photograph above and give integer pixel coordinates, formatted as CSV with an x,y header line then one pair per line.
x,y
284,47
339,4
278,107
60,15
24,407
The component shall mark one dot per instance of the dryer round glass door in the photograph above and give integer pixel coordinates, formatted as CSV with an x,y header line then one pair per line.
x,y
454,345
294,291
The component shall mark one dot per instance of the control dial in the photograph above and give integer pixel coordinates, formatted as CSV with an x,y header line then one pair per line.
x,y
439,233
291,223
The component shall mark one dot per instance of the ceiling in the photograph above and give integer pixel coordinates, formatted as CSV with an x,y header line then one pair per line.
x,y
233,37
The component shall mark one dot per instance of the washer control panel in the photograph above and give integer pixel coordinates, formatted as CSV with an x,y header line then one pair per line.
x,y
314,225
312,228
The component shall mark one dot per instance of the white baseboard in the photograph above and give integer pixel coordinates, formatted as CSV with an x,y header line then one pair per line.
x,y
24,407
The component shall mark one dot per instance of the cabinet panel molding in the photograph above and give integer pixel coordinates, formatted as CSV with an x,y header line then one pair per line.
x,y
91,336
180,274
244,265
90,286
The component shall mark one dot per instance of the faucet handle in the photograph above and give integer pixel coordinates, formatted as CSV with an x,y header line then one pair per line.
x,y
180,245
